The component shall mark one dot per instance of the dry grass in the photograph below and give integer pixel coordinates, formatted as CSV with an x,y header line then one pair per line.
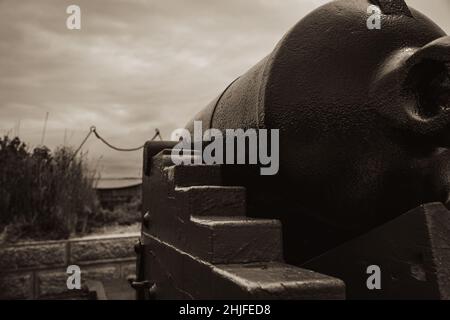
x,y
44,195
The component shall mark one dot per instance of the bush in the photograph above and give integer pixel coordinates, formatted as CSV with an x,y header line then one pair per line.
x,y
125,214
44,195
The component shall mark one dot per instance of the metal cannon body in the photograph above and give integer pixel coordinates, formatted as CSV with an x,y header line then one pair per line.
x,y
364,120
362,133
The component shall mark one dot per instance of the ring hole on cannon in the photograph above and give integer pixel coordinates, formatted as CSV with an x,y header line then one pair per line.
x,y
429,83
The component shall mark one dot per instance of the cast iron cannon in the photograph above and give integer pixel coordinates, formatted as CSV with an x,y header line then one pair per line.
x,y
364,128
361,116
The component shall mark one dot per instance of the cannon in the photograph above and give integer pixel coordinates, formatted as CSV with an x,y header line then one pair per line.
x,y
364,179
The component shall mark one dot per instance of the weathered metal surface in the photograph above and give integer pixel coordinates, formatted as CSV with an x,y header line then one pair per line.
x,y
180,275
412,252
362,117
199,244
139,283
393,7
178,217
364,120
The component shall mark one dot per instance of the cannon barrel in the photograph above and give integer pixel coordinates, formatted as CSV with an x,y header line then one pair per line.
x,y
361,126
364,121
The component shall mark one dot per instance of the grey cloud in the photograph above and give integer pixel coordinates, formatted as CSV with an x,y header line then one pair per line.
x,y
135,65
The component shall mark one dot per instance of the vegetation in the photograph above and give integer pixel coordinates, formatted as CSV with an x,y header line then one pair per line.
x,y
49,195
123,215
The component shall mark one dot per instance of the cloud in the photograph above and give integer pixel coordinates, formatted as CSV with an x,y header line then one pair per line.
x,y
135,65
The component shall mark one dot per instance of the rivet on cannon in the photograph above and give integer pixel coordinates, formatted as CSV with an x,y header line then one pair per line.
x,y
152,291
147,219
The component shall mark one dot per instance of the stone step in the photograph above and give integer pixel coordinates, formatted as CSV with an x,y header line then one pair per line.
x,y
213,200
195,175
241,239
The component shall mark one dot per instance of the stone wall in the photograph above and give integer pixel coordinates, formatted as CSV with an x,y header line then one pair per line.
x,y
37,270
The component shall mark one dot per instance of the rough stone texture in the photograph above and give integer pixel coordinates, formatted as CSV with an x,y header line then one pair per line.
x,y
16,286
128,269
48,261
34,256
86,251
53,283
103,272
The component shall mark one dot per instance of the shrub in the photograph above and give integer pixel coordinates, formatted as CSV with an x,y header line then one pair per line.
x,y
44,195
125,214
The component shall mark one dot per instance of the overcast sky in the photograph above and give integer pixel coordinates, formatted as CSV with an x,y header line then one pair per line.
x,y
134,66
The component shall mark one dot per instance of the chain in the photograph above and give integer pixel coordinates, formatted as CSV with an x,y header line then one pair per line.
x,y
93,130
